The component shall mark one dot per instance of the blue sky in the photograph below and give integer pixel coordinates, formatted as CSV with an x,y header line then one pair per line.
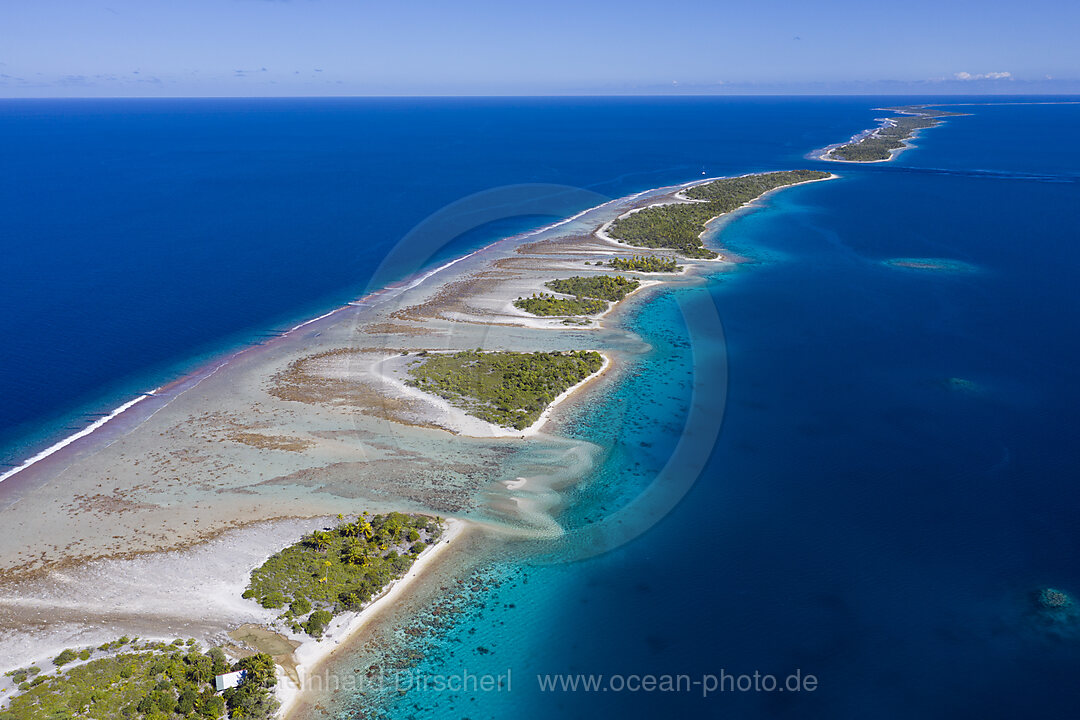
x,y
492,47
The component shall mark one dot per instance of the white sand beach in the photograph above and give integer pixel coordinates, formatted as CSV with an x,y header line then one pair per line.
x,y
246,454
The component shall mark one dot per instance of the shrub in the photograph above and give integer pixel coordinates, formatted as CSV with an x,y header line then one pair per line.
x,y
64,658
220,663
212,707
351,600
273,599
317,622
300,606
186,702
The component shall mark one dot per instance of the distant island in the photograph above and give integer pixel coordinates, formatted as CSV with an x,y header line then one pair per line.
x,y
890,138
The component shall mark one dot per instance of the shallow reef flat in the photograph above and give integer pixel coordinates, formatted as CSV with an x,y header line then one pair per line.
x,y
931,264
151,524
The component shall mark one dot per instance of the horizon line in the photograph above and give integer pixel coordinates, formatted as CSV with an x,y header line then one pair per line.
x,y
531,95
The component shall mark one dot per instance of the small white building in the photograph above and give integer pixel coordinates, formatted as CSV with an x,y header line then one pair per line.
x,y
228,680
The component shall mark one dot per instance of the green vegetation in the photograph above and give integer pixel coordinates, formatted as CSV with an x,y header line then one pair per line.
x,y
22,674
879,144
153,681
65,657
251,698
602,287
679,226
506,388
924,110
272,600
590,295
330,571
646,264
546,304
316,624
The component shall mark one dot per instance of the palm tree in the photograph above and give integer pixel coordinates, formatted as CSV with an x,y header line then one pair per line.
x,y
354,552
319,540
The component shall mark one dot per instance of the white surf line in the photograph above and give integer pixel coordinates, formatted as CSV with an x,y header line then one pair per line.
x,y
98,424
510,238
439,269
308,322
101,422
78,435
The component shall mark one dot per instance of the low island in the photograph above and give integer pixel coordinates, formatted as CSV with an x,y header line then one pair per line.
x,y
679,226
505,388
646,264
340,569
546,304
590,295
890,138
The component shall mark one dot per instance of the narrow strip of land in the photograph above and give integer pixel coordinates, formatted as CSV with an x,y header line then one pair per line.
x,y
679,226
890,138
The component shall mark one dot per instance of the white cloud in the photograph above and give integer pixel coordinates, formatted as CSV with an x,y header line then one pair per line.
x,y
983,76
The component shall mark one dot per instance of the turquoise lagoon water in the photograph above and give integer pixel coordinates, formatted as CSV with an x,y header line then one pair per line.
x,y
895,469
893,477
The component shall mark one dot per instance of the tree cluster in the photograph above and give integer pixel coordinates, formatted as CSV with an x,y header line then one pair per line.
x,y
679,226
505,388
341,568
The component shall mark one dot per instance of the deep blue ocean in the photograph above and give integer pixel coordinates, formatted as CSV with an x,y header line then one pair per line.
x,y
896,469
